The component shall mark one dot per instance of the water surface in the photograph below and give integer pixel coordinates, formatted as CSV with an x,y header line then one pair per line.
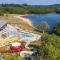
x,y
50,18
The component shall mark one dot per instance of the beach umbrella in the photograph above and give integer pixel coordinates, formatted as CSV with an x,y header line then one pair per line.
x,y
16,47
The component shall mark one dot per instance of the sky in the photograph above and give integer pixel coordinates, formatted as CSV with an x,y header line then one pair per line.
x,y
31,2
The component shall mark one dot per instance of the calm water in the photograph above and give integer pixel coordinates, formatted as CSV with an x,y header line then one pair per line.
x,y
51,18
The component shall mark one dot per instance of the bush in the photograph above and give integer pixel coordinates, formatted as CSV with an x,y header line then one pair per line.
x,y
56,29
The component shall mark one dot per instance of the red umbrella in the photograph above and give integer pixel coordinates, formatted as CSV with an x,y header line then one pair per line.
x,y
16,47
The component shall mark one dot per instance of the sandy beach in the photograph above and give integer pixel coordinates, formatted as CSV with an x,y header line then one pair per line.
x,y
24,19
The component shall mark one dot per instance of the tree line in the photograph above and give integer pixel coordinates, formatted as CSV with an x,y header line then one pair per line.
x,y
27,9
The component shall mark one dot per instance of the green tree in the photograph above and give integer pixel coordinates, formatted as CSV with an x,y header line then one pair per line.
x,y
43,26
56,29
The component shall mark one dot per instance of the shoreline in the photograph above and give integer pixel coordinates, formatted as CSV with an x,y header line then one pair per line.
x,y
24,19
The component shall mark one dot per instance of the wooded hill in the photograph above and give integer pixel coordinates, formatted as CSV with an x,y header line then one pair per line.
x,y
28,9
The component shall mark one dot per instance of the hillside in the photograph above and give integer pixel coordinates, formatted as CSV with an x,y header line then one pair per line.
x,y
28,9
48,47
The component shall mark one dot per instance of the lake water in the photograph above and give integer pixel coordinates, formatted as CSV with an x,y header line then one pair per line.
x,y
50,18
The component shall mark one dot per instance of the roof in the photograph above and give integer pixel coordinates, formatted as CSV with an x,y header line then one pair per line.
x,y
2,23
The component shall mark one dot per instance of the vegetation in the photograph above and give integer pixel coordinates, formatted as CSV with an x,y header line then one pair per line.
x,y
27,9
58,10
49,46
57,28
49,49
43,26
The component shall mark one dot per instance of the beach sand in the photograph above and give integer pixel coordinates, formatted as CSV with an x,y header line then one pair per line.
x,y
24,19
